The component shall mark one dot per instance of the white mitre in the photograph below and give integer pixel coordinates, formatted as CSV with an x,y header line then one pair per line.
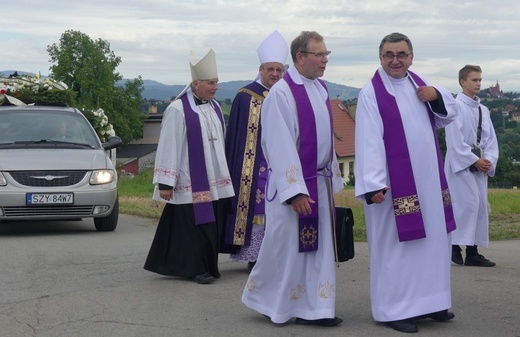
x,y
273,49
205,68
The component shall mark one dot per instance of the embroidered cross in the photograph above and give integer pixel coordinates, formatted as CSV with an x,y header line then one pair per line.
x,y
249,154
406,206
252,127
212,140
246,180
242,206
308,236
239,232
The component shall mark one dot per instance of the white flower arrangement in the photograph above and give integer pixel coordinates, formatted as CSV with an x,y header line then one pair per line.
x,y
100,123
13,86
15,89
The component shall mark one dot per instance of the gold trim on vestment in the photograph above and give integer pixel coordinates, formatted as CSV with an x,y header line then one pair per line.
x,y
254,94
201,197
259,219
248,165
298,292
446,197
260,196
292,174
308,236
326,290
407,205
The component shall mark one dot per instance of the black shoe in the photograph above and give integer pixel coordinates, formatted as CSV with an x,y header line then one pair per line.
x,y
403,325
203,278
456,255
250,266
320,322
478,261
439,316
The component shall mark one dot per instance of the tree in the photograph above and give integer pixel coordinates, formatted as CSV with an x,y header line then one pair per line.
x,y
441,136
88,67
127,101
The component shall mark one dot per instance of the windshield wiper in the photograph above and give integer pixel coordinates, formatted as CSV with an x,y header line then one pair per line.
x,y
47,141
54,141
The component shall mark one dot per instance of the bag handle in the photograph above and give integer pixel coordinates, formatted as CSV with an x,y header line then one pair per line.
x,y
479,127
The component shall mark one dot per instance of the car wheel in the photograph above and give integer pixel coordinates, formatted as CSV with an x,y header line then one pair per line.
x,y
108,223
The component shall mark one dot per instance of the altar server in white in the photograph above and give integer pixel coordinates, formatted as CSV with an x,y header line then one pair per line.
x,y
471,157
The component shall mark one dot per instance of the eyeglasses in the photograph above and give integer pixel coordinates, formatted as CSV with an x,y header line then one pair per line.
x,y
401,56
318,55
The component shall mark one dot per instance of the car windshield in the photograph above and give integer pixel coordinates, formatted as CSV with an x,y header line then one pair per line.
x,y
46,127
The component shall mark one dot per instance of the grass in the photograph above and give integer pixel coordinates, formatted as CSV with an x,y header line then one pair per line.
x,y
135,198
504,219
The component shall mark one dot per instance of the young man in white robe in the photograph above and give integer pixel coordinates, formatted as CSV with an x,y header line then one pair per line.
x,y
399,173
471,158
295,272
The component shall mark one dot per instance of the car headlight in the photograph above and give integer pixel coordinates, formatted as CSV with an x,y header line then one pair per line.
x,y
100,177
3,181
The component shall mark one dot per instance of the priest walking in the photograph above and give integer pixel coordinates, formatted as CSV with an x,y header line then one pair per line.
x,y
246,218
400,175
192,177
295,272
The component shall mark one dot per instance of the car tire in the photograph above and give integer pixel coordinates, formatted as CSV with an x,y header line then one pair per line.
x,y
109,222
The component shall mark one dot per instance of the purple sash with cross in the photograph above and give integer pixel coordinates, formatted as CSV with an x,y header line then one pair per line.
x,y
407,208
202,203
308,153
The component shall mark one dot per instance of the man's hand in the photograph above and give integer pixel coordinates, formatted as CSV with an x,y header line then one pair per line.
x,y
483,165
379,197
166,194
302,204
427,94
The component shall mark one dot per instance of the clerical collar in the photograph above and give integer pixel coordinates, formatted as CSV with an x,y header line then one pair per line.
x,y
259,81
198,101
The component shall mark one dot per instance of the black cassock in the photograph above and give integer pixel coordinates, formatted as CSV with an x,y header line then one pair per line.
x,y
181,248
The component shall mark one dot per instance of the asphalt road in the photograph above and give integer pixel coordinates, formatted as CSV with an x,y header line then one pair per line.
x,y
64,279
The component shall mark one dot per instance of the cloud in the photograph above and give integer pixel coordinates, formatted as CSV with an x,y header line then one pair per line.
x,y
154,38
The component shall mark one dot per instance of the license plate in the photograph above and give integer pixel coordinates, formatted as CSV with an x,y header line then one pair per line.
x,y
49,198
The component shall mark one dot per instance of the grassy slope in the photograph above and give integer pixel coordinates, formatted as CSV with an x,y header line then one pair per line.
x,y
135,198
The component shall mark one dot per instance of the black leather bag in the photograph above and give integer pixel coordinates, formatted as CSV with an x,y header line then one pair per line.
x,y
344,233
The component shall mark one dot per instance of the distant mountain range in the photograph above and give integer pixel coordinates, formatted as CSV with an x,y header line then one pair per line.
x,y
159,91
163,92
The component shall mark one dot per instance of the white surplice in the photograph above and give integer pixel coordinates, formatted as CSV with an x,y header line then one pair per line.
x,y
406,278
285,283
172,165
469,189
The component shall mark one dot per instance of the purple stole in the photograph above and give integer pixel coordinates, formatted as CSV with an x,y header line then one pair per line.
x,y
308,152
202,203
407,208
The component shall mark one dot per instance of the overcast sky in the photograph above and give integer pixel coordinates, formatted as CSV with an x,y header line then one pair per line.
x,y
154,38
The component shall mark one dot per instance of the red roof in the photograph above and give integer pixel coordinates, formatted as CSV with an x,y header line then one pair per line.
x,y
344,129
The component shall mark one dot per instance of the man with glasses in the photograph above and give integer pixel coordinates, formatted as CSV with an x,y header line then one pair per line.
x,y
400,176
295,272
